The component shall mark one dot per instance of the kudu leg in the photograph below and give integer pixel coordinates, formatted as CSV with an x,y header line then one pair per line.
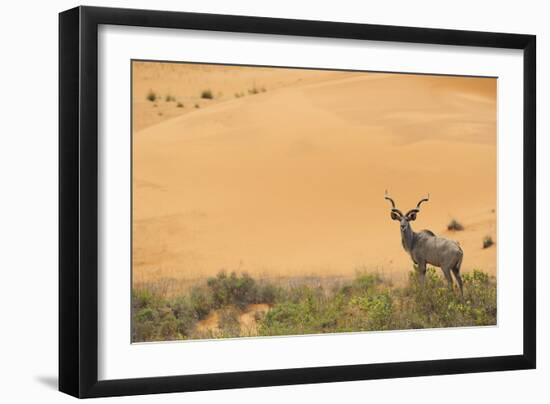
x,y
447,273
422,273
456,273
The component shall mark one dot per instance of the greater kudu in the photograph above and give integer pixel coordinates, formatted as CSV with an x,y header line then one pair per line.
x,y
425,247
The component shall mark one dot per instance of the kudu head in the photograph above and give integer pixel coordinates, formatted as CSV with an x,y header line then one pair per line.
x,y
404,219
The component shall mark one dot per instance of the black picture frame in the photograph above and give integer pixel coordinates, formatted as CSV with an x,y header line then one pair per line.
x,y
78,201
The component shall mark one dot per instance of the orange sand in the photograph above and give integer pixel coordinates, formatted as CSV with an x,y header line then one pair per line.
x,y
290,181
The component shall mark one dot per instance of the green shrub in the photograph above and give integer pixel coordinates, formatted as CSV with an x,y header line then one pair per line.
x,y
378,310
480,293
435,305
283,319
201,301
307,310
186,315
232,289
142,298
267,293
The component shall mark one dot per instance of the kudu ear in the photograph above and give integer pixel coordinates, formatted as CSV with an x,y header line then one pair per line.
x,y
395,213
411,215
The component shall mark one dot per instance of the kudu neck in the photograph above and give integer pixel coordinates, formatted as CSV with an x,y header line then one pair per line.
x,y
407,238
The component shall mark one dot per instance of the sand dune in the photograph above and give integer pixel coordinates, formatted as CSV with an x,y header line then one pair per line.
x,y
291,181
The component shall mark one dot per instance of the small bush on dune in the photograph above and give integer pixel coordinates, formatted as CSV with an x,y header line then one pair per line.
x,y
169,98
268,293
186,313
151,96
232,289
179,105
168,324
256,90
201,301
207,94
454,225
488,241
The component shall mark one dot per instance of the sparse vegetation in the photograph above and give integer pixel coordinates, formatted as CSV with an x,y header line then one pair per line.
x,y
151,96
239,95
197,106
367,303
455,225
256,90
179,105
488,241
169,98
207,94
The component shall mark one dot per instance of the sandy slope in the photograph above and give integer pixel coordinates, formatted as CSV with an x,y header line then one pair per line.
x,y
185,83
291,181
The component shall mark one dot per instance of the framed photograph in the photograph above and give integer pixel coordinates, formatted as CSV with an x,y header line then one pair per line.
x,y
251,201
